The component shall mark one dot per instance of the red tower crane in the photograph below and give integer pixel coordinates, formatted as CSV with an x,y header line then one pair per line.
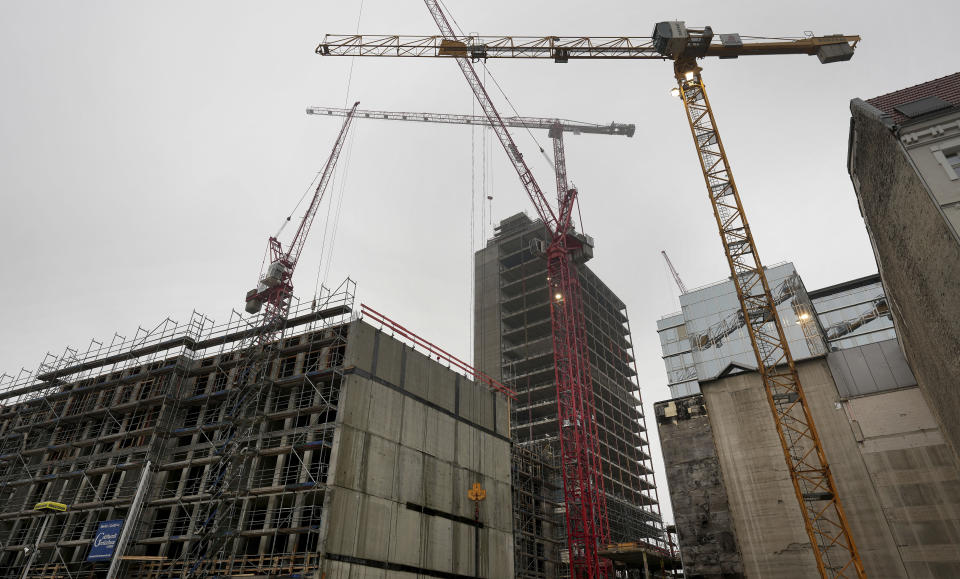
x,y
586,509
271,298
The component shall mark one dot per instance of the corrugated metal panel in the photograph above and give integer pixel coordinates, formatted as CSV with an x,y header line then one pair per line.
x,y
870,369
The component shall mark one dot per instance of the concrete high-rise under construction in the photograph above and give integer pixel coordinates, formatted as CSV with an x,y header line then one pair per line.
x,y
513,343
359,463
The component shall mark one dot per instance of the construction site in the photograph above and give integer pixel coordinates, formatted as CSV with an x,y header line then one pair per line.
x,y
806,433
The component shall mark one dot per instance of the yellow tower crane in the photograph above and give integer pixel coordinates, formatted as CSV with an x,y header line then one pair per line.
x,y
816,491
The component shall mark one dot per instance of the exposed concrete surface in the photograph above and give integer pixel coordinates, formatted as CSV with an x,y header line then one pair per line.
x,y
917,252
413,437
766,515
915,476
708,542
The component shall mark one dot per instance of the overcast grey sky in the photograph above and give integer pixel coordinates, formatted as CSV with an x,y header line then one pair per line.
x,y
147,151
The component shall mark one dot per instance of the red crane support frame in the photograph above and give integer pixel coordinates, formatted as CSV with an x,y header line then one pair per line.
x,y
586,511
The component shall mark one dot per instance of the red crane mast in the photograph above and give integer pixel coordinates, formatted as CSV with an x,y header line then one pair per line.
x,y
586,511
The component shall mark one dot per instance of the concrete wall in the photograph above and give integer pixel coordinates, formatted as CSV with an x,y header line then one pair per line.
x,y
899,483
412,438
915,476
486,312
708,541
917,250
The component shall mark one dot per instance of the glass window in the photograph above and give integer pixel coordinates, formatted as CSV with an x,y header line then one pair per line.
x,y
954,160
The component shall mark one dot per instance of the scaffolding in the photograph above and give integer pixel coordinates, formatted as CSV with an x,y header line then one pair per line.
x,y
88,428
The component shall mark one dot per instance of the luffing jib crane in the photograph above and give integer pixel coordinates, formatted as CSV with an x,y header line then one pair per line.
x,y
556,128
676,276
271,299
574,127
825,521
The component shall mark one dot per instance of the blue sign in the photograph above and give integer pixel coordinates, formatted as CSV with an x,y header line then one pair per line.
x,y
105,540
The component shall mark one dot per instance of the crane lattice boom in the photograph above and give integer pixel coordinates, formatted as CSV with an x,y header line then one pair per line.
x,y
575,127
563,48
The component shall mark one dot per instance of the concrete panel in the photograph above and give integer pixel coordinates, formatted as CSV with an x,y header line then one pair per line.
x,y
386,412
440,435
413,432
376,522
430,380
496,458
898,412
388,359
463,480
500,561
344,505
353,407
463,550
410,475
348,468
405,538
503,416
381,468
359,350
439,543
469,406
438,484
916,478
469,447
443,387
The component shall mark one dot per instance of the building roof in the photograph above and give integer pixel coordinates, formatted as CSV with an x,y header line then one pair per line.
x,y
946,88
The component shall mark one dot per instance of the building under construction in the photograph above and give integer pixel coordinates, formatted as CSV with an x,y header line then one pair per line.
x,y
514,344
361,458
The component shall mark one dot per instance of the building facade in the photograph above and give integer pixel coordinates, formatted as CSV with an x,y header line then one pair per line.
x,y
359,462
904,162
513,342
733,500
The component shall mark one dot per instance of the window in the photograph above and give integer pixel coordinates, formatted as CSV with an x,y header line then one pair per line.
x,y
220,381
287,367
948,155
954,161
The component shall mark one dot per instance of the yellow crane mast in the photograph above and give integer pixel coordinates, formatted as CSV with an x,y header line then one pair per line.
x,y
816,491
